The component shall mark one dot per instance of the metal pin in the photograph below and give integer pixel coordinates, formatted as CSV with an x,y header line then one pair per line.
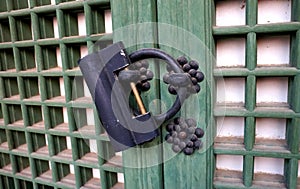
x,y
137,97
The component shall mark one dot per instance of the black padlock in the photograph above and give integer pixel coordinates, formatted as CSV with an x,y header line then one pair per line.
x,y
109,80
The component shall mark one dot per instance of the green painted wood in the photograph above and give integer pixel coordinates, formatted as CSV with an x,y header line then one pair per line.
x,y
142,165
251,12
193,171
280,112
262,28
249,133
105,152
5,33
263,71
251,51
293,141
295,50
248,164
295,11
293,138
250,93
292,135
3,9
268,152
291,172
293,95
19,4
296,103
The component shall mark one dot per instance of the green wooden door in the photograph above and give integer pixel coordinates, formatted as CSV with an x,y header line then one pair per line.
x,y
185,29
255,90
172,27
132,25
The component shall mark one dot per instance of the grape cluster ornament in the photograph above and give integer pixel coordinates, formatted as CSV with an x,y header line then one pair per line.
x,y
184,135
191,69
146,75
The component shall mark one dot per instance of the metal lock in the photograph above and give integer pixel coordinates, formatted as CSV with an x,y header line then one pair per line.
x,y
111,82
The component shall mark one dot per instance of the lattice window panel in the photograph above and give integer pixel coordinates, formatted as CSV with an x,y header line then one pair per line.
x,y
257,102
50,134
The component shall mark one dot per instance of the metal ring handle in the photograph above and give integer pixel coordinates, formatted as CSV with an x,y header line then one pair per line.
x,y
181,93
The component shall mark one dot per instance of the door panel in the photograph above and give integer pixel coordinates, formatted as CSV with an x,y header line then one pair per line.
x,y
184,29
142,164
237,44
